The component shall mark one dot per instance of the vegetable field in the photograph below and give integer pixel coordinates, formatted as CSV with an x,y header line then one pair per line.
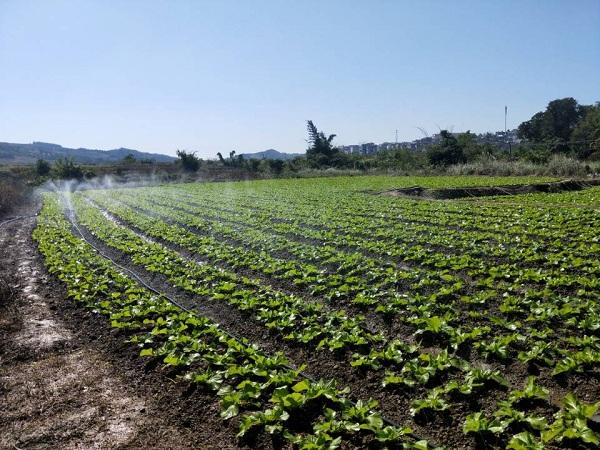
x,y
323,315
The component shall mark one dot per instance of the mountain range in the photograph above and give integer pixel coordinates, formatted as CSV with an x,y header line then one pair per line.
x,y
30,153
270,154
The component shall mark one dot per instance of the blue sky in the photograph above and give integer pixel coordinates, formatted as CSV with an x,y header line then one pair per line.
x,y
246,75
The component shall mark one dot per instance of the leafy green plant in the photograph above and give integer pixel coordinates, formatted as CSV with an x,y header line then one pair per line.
x,y
577,361
434,401
532,391
525,441
571,422
477,423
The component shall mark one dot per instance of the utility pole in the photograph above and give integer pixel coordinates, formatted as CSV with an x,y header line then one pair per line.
x,y
505,135
396,138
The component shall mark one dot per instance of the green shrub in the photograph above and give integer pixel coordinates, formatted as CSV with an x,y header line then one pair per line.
x,y
65,168
42,167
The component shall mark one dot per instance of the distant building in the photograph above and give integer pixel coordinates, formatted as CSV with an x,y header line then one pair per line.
x,y
350,149
387,146
368,149
497,139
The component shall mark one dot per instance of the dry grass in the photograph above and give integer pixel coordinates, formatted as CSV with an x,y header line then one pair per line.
x,y
559,165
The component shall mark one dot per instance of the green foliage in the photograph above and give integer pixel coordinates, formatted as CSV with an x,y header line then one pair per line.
x,y
276,166
233,160
448,152
129,159
585,137
531,392
65,168
477,423
434,401
188,160
572,422
321,151
555,125
525,441
411,294
42,167
262,389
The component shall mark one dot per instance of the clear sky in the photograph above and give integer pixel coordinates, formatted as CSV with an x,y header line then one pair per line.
x,y
246,75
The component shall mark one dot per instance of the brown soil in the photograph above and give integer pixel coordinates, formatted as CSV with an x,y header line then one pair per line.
x,y
67,381
486,191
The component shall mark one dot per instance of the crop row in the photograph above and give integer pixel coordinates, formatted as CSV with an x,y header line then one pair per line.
x,y
508,305
286,199
416,368
475,234
260,391
432,314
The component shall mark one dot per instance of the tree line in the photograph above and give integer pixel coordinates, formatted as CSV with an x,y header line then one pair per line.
x,y
565,127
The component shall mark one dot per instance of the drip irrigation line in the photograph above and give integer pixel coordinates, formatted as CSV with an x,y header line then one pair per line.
x,y
170,221
71,217
14,219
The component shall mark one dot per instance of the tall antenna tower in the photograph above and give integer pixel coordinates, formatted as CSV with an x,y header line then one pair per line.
x,y
505,135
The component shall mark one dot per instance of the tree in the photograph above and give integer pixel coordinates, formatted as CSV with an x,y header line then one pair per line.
x,y
189,161
129,159
555,124
321,150
276,165
235,161
232,161
42,167
470,148
447,152
253,165
563,116
585,138
532,129
66,168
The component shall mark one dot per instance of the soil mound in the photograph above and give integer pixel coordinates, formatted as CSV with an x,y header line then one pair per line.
x,y
486,191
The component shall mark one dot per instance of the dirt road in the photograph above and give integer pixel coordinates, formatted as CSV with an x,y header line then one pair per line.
x,y
68,381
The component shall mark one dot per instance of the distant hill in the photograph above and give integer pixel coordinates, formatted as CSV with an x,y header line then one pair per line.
x,y
270,154
30,153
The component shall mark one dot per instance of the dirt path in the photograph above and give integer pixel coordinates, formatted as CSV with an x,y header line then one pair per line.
x,y
67,381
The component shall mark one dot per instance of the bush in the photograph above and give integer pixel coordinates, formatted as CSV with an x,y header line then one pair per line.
x,y
189,161
65,168
42,167
276,166
492,166
564,166
447,152
559,165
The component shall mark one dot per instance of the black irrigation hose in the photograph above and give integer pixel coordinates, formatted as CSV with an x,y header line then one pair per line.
x,y
14,219
169,221
71,216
